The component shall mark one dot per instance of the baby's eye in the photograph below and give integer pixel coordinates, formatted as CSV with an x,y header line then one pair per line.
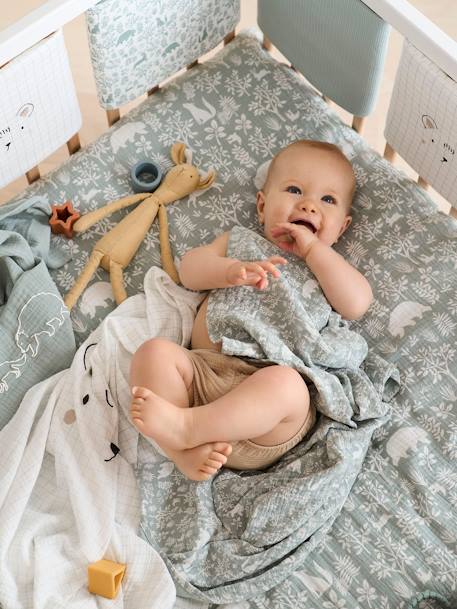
x,y
329,199
293,190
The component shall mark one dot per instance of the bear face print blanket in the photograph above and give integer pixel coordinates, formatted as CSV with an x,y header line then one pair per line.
x,y
68,493
80,484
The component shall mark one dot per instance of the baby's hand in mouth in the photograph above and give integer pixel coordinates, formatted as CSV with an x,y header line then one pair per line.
x,y
295,238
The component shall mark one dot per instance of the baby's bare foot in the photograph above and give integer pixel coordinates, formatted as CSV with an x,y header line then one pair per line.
x,y
201,462
158,418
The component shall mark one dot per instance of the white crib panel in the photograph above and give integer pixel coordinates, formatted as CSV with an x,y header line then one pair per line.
x,y
39,110
422,121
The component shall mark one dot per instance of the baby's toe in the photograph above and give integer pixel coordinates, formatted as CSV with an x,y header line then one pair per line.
x,y
217,457
200,476
138,422
207,469
223,448
216,461
141,392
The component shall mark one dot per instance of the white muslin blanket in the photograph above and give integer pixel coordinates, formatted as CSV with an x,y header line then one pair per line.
x,y
68,493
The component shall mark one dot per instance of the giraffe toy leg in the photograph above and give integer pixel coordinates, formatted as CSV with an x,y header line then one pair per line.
x,y
167,257
82,281
117,281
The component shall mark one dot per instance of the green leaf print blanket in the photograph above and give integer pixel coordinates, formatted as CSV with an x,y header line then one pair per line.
x,y
244,532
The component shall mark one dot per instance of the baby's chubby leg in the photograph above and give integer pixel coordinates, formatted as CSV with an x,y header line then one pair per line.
x,y
268,407
163,369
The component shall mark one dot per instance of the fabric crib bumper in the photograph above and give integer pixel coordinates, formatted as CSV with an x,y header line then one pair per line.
x,y
39,110
422,121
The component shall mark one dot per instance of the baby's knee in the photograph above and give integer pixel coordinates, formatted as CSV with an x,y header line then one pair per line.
x,y
285,375
153,349
293,387
286,378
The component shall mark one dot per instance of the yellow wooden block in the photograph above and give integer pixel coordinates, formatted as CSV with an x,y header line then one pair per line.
x,y
105,577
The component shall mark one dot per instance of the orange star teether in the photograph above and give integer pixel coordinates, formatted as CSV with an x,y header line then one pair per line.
x,y
62,219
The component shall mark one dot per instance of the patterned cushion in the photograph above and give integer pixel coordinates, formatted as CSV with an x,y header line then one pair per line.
x,y
131,54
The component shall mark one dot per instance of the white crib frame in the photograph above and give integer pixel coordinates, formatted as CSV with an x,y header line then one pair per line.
x,y
400,14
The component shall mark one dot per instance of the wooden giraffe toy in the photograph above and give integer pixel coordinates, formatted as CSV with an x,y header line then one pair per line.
x,y
115,250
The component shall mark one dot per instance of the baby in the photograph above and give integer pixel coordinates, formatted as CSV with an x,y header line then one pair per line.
x,y
250,413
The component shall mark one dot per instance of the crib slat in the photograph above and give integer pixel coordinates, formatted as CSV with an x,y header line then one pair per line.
x,y
74,144
113,116
33,175
192,65
267,43
358,123
389,153
230,36
423,183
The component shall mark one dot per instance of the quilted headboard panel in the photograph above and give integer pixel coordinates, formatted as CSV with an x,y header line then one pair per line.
x,y
136,44
340,47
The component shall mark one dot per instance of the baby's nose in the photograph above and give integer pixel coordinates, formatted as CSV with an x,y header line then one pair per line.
x,y
308,205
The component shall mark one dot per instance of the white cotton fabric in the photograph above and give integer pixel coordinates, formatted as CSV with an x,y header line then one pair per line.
x,y
68,493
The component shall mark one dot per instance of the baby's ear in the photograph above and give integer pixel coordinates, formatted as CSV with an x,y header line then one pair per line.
x,y
260,205
347,221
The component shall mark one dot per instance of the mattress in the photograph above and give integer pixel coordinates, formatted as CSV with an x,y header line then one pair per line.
x,y
396,535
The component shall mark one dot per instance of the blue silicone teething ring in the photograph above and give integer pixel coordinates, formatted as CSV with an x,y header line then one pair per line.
x,y
145,176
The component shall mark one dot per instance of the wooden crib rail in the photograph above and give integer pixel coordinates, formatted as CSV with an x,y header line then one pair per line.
x,y
36,25
421,31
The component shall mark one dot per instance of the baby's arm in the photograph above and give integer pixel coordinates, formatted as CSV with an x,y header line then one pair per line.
x,y
207,268
345,288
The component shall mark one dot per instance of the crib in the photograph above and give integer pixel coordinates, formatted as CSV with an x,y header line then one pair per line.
x,y
79,484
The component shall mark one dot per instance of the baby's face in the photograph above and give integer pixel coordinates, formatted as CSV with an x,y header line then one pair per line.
x,y
310,187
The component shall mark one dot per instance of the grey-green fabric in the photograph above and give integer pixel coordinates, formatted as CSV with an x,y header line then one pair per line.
x,y
291,323
36,335
264,526
340,47
395,534
136,44
30,218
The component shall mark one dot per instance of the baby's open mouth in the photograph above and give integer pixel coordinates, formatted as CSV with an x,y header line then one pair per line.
x,y
308,225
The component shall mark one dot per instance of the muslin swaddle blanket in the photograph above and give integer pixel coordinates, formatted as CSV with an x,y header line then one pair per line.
x,y
242,533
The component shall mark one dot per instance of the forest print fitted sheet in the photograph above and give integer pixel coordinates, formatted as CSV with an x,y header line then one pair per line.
x,y
396,534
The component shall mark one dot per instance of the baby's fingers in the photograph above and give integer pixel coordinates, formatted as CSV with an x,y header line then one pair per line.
x,y
277,260
237,276
278,230
256,267
253,279
262,284
269,265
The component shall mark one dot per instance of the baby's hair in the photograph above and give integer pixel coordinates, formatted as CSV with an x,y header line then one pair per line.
x,y
327,146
